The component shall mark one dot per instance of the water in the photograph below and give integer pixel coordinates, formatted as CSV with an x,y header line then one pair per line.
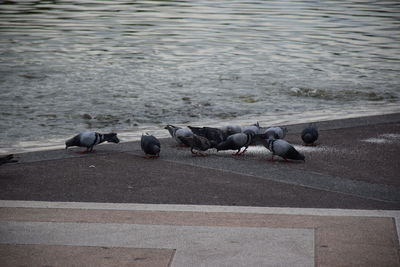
x,y
134,66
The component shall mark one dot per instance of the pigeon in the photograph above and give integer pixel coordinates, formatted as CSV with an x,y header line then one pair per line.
x,y
197,142
274,133
176,132
255,128
236,142
215,135
231,129
150,146
172,129
90,139
7,159
310,134
283,149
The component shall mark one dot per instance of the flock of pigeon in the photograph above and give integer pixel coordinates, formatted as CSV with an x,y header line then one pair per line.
x,y
201,139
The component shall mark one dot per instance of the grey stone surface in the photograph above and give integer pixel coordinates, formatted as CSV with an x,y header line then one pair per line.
x,y
195,245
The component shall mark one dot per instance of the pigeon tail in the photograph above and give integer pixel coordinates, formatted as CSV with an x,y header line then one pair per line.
x,y
292,153
110,137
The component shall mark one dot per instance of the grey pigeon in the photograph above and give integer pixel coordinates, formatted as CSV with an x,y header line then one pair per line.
x,y
310,134
237,142
196,142
275,132
150,145
7,159
255,128
90,139
215,135
177,132
283,149
172,129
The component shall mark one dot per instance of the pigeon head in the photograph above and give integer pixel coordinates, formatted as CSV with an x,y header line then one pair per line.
x,y
111,137
308,138
171,129
72,142
300,157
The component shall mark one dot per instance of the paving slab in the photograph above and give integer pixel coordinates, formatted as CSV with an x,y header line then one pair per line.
x,y
12,255
204,236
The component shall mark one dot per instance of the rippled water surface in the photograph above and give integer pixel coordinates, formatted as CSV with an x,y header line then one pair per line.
x,y
133,66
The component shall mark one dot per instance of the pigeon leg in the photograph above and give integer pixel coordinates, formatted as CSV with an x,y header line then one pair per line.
x,y
237,153
245,149
88,150
271,159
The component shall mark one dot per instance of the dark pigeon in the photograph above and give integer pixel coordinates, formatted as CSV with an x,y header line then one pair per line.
x,y
214,135
198,143
150,145
90,139
310,134
237,142
7,159
283,149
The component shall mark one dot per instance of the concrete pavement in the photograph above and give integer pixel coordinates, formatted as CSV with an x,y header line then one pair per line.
x,y
182,235
340,208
